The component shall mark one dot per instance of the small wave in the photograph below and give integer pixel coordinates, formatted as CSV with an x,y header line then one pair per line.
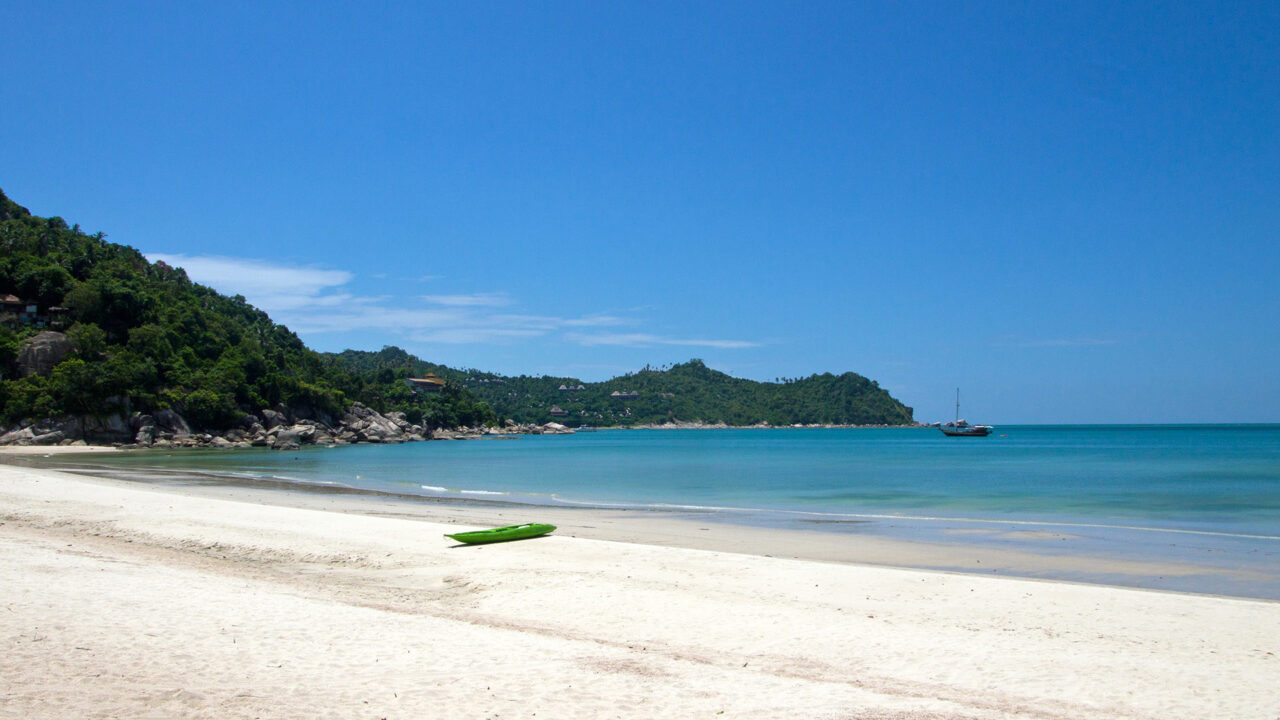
x,y
434,488
482,492
1039,523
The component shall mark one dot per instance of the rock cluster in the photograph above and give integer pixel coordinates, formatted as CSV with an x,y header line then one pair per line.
x,y
277,428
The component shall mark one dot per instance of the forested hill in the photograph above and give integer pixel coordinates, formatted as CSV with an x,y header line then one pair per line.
x,y
144,338
141,337
688,392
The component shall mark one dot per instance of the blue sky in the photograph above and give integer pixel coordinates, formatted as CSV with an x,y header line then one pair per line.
x,y
1071,211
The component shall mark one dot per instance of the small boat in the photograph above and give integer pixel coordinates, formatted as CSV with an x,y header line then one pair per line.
x,y
961,428
502,534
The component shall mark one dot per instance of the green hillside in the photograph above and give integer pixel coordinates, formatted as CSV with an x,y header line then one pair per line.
x,y
147,338
144,338
688,392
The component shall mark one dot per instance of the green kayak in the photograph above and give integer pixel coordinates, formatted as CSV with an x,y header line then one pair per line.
x,y
502,534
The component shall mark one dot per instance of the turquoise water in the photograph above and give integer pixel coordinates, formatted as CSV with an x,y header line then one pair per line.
x,y
1213,479
1206,498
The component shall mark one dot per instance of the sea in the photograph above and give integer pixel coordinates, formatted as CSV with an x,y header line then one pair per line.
x,y
1205,496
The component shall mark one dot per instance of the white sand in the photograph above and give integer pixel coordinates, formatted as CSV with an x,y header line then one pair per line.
x,y
126,601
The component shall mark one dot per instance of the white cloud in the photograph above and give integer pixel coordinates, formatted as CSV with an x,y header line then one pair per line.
x,y
475,335
646,339
473,300
314,301
597,321
271,287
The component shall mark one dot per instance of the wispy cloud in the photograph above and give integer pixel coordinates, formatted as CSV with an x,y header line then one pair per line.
x,y
473,300
597,321
647,340
313,301
273,287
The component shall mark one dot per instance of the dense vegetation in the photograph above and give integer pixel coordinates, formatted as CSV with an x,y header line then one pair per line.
x,y
692,392
688,392
148,338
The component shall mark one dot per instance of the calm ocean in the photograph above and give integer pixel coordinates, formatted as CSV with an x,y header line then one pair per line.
x,y
1125,491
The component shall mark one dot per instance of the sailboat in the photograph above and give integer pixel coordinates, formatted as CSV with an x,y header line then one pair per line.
x,y
961,428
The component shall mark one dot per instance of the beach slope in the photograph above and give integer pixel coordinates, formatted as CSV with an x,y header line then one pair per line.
x,y
128,601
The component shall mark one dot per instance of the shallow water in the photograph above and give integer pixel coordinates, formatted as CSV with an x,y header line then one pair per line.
x,y
1151,493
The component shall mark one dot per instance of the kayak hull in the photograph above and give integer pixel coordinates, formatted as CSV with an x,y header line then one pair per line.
x,y
502,534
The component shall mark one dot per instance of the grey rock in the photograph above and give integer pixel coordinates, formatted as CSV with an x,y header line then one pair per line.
x,y
20,436
292,437
38,354
50,438
173,422
112,427
272,419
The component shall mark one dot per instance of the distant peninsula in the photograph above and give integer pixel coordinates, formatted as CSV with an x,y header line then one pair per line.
x,y
685,393
99,345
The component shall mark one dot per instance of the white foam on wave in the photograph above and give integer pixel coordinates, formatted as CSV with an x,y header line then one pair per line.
x,y
439,489
1037,523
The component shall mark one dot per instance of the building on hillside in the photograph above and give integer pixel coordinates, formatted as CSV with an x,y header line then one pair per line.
x,y
15,311
430,383
629,395
558,411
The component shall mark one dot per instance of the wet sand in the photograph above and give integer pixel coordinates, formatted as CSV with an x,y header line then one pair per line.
x,y
132,600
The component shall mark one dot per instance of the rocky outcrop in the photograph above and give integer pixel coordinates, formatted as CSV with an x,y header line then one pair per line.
x,y
271,428
39,353
272,418
172,422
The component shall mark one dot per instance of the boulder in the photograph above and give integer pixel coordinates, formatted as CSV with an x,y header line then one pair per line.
x,y
370,426
20,436
291,438
111,427
271,418
146,435
173,422
38,354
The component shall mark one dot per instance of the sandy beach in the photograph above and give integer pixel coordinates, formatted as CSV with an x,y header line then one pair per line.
x,y
127,600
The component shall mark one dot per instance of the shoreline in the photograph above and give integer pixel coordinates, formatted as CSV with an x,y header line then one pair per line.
x,y
234,607
1224,566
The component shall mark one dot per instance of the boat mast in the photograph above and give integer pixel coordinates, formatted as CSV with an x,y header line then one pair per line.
x,y
957,406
